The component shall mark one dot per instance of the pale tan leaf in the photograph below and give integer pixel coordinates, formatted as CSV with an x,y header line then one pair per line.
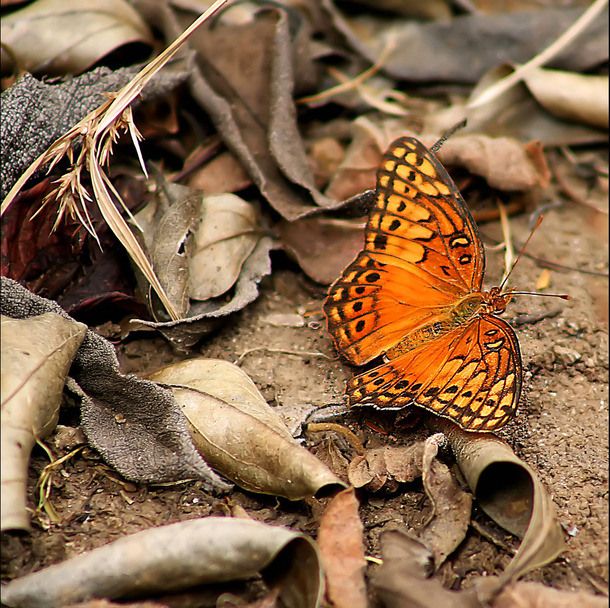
x,y
239,434
36,356
178,556
57,37
576,97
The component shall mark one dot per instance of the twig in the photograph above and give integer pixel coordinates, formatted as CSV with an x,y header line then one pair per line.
x,y
532,319
544,263
348,85
509,252
281,351
491,537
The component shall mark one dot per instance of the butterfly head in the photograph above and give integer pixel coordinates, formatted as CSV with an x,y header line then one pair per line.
x,y
496,301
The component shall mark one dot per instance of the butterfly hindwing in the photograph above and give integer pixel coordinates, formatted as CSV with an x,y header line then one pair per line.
x,y
471,375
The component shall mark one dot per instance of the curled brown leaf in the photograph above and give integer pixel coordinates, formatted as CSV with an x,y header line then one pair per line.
x,y
239,434
208,550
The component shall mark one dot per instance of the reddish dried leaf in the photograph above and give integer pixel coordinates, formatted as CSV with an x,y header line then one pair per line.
x,y
222,174
342,551
323,247
32,254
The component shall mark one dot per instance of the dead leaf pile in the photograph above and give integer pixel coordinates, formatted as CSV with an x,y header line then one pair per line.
x,y
264,126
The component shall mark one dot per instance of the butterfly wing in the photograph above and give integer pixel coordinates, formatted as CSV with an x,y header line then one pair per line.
x,y
471,375
422,253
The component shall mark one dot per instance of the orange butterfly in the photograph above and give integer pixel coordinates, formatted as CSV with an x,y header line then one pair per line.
x,y
414,296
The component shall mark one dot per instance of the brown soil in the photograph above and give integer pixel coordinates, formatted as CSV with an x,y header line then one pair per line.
x,y
561,428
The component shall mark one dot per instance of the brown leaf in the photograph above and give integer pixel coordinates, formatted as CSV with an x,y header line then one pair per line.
x,y
450,518
32,253
239,434
198,244
342,551
358,168
52,37
504,163
509,491
535,595
247,90
402,580
208,550
222,174
323,247
399,464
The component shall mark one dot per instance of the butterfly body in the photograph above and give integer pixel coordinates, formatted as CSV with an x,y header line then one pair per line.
x,y
452,318
414,297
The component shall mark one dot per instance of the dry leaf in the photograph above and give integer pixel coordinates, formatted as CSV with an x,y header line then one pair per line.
x,y
463,48
503,162
515,114
136,425
206,316
376,466
36,356
359,166
177,556
55,37
383,467
535,595
222,174
402,580
198,244
576,97
322,246
342,551
509,491
166,223
451,506
227,234
252,103
239,434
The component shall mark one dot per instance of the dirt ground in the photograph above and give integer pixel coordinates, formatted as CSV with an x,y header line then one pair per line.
x,y
561,428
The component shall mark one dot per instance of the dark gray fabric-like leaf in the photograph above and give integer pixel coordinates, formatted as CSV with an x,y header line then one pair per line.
x,y
33,114
135,424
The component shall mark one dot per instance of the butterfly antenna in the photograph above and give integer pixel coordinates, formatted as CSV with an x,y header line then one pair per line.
x,y
446,135
505,280
563,296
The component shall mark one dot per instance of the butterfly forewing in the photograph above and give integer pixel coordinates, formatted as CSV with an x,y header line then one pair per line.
x,y
422,253
471,375
421,219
